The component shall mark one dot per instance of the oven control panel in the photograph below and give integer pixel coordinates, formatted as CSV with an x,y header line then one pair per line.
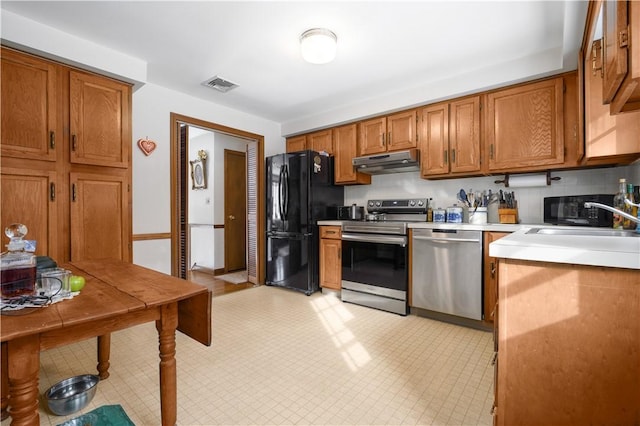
x,y
409,205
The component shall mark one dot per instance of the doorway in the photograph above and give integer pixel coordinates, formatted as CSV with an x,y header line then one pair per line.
x,y
180,192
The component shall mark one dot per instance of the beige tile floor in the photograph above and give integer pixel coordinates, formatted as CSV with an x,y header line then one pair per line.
x,y
282,358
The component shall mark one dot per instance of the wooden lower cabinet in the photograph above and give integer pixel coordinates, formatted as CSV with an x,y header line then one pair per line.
x,y
490,277
99,215
569,345
330,257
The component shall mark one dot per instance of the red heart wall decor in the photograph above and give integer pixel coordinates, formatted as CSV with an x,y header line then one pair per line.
x,y
147,146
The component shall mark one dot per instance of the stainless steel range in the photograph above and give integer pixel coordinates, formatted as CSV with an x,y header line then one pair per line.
x,y
375,254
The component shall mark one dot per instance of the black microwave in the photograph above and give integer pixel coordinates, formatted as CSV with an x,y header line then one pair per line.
x,y
570,210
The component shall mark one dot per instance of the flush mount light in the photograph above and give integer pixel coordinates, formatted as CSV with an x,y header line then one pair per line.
x,y
318,45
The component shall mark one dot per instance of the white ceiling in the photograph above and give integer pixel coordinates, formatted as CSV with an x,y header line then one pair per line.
x,y
390,53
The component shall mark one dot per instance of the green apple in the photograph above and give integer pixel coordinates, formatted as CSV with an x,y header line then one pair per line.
x,y
76,282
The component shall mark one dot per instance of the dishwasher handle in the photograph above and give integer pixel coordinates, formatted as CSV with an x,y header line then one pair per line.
x,y
447,240
379,239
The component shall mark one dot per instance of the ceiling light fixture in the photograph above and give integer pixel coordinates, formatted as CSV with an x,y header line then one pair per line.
x,y
318,45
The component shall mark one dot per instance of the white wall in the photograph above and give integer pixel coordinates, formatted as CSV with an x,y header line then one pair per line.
x,y
152,106
530,200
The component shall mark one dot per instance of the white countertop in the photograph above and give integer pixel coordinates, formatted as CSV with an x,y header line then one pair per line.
x,y
615,252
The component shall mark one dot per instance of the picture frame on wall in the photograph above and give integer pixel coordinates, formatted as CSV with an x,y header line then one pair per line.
x,y
199,171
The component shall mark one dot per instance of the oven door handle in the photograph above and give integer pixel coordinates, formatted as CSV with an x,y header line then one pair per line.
x,y
377,239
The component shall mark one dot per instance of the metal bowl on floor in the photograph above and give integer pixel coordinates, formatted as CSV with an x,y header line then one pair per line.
x,y
72,394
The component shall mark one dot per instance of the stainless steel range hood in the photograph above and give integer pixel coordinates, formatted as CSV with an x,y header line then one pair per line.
x,y
391,162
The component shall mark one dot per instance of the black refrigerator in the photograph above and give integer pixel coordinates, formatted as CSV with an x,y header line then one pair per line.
x,y
300,191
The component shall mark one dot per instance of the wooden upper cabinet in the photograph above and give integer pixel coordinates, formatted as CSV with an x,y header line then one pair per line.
x,y
100,128
100,217
621,61
608,139
345,143
434,140
321,141
372,136
525,127
297,143
390,133
29,107
450,138
401,131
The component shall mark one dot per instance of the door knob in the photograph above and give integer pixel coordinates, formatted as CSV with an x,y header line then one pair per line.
x,y
232,217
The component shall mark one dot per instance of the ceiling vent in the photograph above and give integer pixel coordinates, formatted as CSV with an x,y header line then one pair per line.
x,y
220,84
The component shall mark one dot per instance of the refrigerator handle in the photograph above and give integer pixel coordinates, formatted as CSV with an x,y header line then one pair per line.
x,y
281,193
286,192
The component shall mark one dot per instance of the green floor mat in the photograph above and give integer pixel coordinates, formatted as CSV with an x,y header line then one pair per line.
x,y
107,415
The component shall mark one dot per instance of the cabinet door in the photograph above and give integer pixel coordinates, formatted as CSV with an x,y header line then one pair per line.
x,y
321,141
99,120
401,130
464,135
615,50
608,139
100,212
434,140
297,143
29,197
345,144
490,282
524,126
29,89
372,136
331,263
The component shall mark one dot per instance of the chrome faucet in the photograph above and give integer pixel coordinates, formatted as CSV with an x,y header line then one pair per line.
x,y
628,202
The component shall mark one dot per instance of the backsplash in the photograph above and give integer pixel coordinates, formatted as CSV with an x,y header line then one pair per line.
x,y
530,200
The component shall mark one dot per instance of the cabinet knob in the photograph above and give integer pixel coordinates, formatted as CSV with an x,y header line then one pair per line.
x,y
232,217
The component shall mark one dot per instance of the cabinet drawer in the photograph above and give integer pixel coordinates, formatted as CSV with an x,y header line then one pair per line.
x,y
333,232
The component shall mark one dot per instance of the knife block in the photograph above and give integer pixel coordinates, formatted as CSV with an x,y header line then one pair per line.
x,y
508,215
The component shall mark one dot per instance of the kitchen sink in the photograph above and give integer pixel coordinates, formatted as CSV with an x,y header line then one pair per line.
x,y
584,232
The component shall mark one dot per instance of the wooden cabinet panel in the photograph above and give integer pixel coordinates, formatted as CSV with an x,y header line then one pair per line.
x,y
73,213
434,140
615,53
569,342
29,107
372,136
345,142
100,128
330,257
29,197
608,139
401,130
321,141
100,225
450,138
525,127
490,276
464,135
297,143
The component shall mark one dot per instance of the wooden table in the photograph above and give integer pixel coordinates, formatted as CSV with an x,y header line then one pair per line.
x,y
117,295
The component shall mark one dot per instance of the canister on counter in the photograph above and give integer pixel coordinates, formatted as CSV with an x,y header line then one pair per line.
x,y
454,214
439,215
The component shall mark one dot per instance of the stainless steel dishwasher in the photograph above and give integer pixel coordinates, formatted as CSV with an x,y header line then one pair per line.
x,y
447,271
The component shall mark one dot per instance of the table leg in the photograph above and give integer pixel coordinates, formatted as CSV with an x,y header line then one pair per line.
x,y
23,355
166,327
104,351
4,387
